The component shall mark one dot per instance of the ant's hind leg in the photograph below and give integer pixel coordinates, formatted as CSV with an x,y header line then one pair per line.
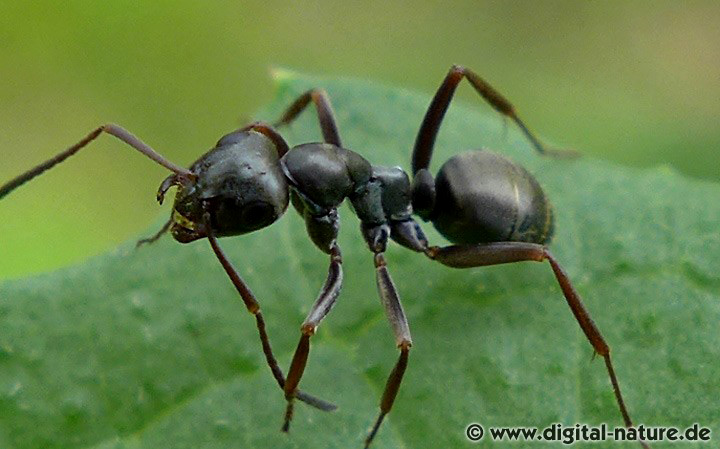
x,y
325,113
422,153
467,256
324,302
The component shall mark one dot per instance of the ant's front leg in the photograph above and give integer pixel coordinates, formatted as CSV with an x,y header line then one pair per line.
x,y
155,237
323,231
253,307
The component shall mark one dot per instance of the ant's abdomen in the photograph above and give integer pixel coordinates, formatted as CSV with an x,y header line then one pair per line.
x,y
482,197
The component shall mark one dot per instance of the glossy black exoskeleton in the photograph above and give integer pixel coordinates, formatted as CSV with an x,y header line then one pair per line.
x,y
491,209
239,184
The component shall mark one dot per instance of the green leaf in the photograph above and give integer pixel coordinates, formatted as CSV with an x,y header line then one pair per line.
x,y
152,348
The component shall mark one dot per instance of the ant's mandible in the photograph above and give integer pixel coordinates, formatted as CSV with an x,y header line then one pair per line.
x,y
491,209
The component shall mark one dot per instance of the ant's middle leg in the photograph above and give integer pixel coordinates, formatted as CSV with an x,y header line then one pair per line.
x,y
325,113
398,321
263,128
422,153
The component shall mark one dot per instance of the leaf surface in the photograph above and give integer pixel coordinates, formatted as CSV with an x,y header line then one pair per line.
x,y
153,349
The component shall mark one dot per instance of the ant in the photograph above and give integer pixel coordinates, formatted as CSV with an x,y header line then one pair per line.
x,y
491,209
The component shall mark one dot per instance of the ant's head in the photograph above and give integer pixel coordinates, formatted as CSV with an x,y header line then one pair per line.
x,y
239,188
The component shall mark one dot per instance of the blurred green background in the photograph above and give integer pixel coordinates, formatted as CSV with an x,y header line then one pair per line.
x,y
633,82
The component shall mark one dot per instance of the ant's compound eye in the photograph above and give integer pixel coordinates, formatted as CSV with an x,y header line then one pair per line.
x,y
258,214
232,217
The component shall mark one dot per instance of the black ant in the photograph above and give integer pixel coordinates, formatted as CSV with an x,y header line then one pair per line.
x,y
492,209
